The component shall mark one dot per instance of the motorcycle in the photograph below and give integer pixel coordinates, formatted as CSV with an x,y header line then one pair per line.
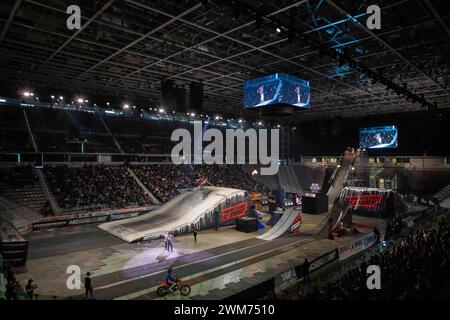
x,y
165,289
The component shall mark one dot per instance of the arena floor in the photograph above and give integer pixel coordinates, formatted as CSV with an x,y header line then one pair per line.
x,y
133,271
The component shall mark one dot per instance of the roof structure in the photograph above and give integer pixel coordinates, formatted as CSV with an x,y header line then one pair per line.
x,y
127,47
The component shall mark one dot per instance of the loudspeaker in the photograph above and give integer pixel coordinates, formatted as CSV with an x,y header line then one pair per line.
x,y
196,96
181,100
247,224
168,94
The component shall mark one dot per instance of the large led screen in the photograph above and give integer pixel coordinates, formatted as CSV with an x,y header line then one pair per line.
x,y
278,88
378,138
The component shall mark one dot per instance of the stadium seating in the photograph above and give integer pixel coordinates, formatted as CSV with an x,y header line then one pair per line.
x,y
93,187
21,185
14,140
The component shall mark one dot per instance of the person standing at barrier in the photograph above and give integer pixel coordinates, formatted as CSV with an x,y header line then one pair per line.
x,y
330,228
306,266
88,286
377,235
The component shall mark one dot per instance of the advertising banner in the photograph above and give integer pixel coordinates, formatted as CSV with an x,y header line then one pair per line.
x,y
323,260
285,279
357,246
87,218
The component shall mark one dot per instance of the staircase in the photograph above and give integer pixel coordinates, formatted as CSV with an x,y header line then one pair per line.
x,y
443,194
31,196
22,198
20,217
46,190
144,188
288,180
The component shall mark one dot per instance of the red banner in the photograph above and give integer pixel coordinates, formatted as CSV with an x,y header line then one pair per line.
x,y
237,211
367,201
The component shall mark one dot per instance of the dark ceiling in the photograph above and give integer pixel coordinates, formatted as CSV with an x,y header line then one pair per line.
x,y
126,47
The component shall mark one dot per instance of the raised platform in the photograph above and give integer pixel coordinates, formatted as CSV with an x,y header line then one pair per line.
x,y
194,207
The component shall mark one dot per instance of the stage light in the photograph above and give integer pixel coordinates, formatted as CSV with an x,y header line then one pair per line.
x,y
192,114
126,106
217,118
107,103
240,120
255,172
80,100
26,94
278,30
161,110
61,98
259,123
87,101
53,97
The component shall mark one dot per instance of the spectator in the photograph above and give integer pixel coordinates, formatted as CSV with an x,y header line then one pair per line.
x,y
89,288
417,267
101,186
195,232
305,268
29,288
170,242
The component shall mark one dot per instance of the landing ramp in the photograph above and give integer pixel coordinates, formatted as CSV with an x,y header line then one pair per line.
x,y
192,207
281,227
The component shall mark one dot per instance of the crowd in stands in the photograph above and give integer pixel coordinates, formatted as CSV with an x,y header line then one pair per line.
x,y
417,267
164,181
114,187
102,186
230,176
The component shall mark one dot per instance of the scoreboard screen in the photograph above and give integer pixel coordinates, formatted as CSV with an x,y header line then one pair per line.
x,y
275,89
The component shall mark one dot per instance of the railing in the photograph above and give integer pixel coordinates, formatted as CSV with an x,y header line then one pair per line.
x,y
111,135
143,187
29,131
48,194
